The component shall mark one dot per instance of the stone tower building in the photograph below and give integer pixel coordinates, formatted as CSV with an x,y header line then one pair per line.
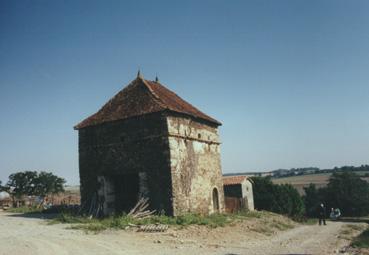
x,y
148,142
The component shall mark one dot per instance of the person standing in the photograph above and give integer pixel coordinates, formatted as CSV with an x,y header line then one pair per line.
x,y
322,214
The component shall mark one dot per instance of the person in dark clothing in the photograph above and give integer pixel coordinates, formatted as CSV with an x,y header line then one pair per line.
x,y
321,214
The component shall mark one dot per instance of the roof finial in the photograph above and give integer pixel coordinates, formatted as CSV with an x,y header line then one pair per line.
x,y
139,75
156,78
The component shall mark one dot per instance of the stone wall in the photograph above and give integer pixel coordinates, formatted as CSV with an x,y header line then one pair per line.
x,y
195,165
133,146
175,159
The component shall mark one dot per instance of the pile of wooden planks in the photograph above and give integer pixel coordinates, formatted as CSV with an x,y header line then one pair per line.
x,y
153,228
140,210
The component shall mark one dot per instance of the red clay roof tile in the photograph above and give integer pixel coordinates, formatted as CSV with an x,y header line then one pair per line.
x,y
232,180
142,97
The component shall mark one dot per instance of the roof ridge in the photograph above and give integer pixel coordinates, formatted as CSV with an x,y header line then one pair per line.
x,y
156,97
235,176
148,84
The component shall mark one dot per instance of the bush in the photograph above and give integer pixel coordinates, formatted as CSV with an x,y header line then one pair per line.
x,y
283,199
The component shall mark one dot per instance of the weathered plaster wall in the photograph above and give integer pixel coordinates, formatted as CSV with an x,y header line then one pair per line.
x,y
195,165
248,193
137,145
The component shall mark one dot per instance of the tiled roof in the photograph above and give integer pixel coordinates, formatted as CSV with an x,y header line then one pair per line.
x,y
142,97
232,180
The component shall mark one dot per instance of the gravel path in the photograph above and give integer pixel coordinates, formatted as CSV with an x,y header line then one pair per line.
x,y
21,235
301,240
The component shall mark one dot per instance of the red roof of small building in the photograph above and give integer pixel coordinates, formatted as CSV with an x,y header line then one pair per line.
x,y
142,97
233,180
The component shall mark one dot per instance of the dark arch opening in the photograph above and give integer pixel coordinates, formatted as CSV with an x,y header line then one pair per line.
x,y
215,200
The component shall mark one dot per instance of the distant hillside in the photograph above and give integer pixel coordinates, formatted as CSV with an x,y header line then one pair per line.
x,y
320,180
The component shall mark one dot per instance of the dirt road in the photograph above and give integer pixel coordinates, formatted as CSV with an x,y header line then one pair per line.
x,y
22,235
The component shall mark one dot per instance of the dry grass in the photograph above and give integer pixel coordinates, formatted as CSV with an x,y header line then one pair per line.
x,y
362,240
348,231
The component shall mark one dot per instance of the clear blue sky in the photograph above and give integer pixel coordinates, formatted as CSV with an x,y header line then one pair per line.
x,y
288,79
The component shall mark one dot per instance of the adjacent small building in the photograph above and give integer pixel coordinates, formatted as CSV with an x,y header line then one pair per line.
x,y
148,142
238,193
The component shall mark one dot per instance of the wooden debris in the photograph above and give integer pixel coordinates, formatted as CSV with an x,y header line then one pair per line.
x,y
96,207
139,210
153,228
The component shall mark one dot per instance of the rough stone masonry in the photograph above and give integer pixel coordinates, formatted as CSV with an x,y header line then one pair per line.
x,y
148,142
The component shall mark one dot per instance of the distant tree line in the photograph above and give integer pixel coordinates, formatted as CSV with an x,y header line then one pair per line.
x,y
32,183
345,190
314,170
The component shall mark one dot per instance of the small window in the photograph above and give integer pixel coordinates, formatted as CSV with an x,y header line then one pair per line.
x,y
199,135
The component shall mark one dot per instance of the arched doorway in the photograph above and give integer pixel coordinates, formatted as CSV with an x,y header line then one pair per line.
x,y
215,200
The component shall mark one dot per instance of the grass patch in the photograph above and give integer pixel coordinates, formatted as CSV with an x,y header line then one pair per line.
x,y
24,209
281,225
362,240
123,221
310,221
355,227
348,231
263,230
251,214
92,227
270,226
70,219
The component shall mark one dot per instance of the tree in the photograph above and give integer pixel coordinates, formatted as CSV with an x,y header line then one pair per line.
x,y
263,190
20,184
287,201
311,200
2,188
295,202
347,191
31,183
46,184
